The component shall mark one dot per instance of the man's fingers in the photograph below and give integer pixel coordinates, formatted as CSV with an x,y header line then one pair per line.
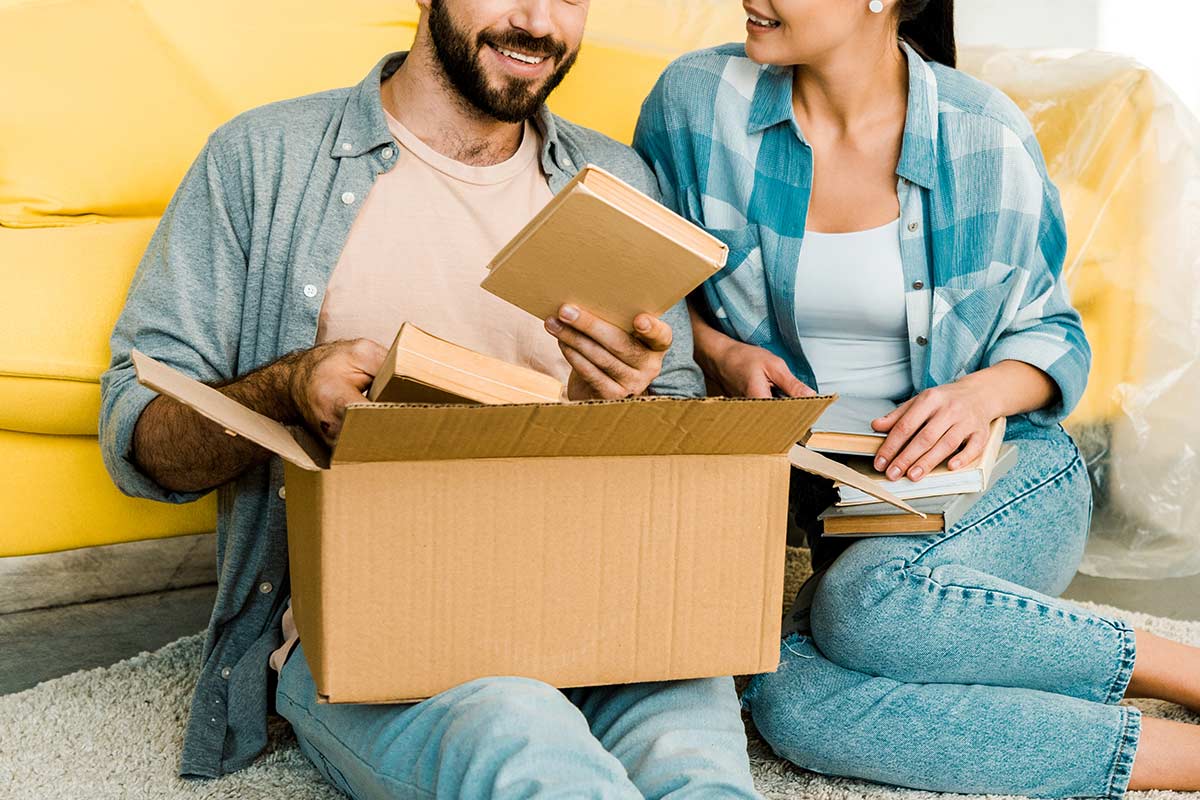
x,y
596,354
779,374
607,335
604,386
653,332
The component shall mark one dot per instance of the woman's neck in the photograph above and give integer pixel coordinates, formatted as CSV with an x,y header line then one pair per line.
x,y
845,92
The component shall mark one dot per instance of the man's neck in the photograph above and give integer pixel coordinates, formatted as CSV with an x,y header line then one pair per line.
x,y
421,97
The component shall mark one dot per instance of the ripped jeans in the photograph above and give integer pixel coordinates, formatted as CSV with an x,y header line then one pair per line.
x,y
945,662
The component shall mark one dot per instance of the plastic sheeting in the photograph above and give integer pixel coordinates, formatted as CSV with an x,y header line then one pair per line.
x,y
1125,153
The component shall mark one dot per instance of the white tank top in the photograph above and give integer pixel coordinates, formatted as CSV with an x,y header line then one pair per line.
x,y
850,312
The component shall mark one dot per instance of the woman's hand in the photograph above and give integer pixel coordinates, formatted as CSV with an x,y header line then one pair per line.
x,y
934,425
949,420
744,370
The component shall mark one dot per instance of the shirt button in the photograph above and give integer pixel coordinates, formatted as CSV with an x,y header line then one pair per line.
x,y
918,285
265,587
310,290
921,340
568,164
388,153
913,226
347,147
282,493
348,198
226,672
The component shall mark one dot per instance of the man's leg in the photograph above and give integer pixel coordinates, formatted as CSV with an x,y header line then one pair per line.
x,y
491,738
676,739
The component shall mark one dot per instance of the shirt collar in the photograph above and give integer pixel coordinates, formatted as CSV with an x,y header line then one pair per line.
x,y
364,126
772,105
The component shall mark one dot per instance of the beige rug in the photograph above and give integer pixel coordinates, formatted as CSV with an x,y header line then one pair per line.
x,y
117,732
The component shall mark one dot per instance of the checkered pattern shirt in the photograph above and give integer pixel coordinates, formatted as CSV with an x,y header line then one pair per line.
x,y
982,232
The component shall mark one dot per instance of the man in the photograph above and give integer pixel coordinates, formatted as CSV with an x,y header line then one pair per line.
x,y
301,238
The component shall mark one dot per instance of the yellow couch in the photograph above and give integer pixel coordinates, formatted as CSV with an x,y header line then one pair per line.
x,y
106,104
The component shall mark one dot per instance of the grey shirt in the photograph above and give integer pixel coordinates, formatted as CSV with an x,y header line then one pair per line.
x,y
234,278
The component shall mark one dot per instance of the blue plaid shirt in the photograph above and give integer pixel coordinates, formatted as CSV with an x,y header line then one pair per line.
x,y
982,232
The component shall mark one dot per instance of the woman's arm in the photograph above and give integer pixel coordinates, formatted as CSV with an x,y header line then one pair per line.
x,y
742,370
934,425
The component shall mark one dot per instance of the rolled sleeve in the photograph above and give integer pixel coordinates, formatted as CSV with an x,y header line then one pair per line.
x,y
124,401
1046,331
183,308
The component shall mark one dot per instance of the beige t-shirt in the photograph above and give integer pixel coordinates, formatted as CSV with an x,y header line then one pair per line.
x,y
419,248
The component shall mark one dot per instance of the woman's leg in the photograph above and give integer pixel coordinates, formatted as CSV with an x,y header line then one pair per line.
x,y
941,737
974,605
497,737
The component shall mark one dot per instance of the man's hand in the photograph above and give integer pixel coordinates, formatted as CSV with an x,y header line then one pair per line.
x,y
931,427
606,362
744,370
329,377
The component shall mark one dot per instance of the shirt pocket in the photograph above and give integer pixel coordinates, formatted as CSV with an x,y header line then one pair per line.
x,y
969,320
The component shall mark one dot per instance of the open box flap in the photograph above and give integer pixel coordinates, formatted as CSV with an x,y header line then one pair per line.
x,y
816,464
638,427
235,417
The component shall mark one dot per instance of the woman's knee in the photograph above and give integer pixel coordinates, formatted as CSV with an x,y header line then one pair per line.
x,y
803,709
849,615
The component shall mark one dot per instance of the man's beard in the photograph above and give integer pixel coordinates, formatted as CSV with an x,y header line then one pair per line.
x,y
459,54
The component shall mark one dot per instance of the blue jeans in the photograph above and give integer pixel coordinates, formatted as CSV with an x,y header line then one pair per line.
x,y
944,662
515,737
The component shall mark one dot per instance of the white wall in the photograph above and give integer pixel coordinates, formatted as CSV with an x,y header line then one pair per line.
x,y
1160,33
1029,23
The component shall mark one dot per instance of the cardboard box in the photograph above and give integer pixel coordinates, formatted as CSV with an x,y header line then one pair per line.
x,y
576,543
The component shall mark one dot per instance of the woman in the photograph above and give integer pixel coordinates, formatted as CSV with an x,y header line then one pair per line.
x,y
893,233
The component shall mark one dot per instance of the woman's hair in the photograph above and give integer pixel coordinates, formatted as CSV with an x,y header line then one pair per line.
x,y
928,25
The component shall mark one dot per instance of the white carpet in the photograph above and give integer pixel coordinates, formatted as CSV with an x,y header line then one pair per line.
x,y
116,733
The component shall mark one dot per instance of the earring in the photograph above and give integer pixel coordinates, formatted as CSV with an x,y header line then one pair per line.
x,y
876,6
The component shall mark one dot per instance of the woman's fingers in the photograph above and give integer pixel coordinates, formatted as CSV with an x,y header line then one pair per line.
x,y
971,452
943,449
920,443
777,373
914,414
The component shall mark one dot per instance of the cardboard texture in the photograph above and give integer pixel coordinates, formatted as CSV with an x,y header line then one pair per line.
x,y
422,368
575,543
604,246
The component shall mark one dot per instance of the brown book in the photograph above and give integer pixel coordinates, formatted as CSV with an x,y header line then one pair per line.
x,y
941,480
845,427
881,519
604,246
421,368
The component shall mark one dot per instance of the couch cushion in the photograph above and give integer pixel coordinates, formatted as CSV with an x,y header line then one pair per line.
x,y
64,290
56,495
106,121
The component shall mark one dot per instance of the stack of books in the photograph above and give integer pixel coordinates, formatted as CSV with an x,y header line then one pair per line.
x,y
844,431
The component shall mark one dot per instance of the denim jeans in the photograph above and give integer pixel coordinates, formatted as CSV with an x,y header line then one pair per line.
x,y
515,737
944,662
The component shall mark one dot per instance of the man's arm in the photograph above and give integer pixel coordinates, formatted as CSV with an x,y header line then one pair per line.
x,y
183,451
